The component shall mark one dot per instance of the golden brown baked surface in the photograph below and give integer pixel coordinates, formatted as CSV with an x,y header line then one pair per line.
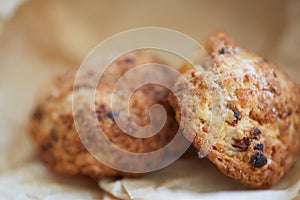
x,y
52,125
259,139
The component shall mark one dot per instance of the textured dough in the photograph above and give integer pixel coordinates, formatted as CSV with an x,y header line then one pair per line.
x,y
52,123
259,139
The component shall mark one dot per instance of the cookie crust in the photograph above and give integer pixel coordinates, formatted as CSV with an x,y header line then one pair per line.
x,y
52,123
259,139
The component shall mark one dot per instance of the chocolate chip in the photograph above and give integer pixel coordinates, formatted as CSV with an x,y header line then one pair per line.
x,y
258,160
259,147
242,145
255,131
113,114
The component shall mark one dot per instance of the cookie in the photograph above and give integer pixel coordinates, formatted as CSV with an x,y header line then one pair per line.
x,y
258,139
55,135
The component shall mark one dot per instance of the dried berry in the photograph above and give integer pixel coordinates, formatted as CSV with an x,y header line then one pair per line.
x,y
222,51
237,117
202,121
46,146
53,135
102,106
128,60
259,147
255,131
258,160
67,120
113,114
38,115
242,145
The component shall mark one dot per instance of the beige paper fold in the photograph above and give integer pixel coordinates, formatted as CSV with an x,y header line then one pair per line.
x,y
196,179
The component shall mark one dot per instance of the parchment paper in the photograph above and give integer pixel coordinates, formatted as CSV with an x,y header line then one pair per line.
x,y
41,38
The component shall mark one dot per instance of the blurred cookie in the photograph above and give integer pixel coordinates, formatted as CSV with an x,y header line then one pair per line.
x,y
52,124
258,141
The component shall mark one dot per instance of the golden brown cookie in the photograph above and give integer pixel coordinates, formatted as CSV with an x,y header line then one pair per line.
x,y
52,123
258,141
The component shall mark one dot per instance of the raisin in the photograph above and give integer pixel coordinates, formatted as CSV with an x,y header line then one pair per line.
x,y
237,117
259,147
242,145
129,60
102,106
113,114
255,131
53,135
46,146
67,120
38,114
246,141
202,120
258,160
222,51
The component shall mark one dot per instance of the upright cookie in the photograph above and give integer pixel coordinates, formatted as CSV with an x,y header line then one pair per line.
x,y
259,139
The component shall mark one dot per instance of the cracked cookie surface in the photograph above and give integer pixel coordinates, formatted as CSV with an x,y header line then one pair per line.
x,y
54,133
258,141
